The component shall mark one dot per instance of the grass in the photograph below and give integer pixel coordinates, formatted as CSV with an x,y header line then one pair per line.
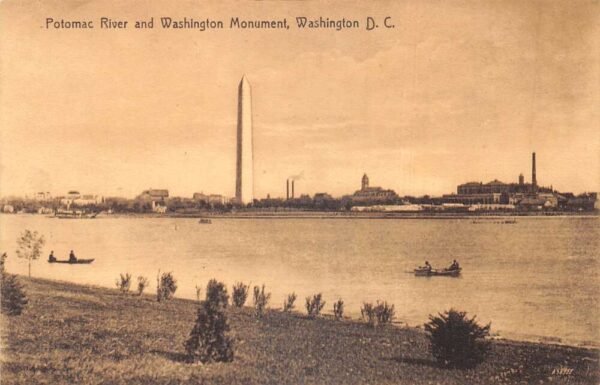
x,y
87,335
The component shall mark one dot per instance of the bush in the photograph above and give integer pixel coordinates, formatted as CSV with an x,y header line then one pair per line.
x,y
314,305
142,284
457,341
261,299
240,294
384,313
13,298
288,304
379,314
166,287
367,312
124,282
208,340
338,309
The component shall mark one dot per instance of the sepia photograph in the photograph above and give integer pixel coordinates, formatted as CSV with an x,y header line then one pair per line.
x,y
299,192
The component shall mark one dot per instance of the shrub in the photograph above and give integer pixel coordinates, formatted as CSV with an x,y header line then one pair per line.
x,y
384,313
379,314
288,304
457,341
261,299
166,287
239,294
338,309
314,305
124,282
142,284
13,298
367,312
208,340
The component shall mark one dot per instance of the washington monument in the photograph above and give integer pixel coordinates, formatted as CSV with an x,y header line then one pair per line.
x,y
244,174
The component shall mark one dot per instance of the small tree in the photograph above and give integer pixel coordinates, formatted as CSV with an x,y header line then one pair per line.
x,y
338,309
12,294
288,304
123,283
314,305
30,246
208,340
240,294
457,341
142,284
166,286
261,299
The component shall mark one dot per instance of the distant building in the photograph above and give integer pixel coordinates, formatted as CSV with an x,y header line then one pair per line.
x,y
42,196
153,195
492,207
158,208
217,199
372,195
200,197
213,199
45,210
75,198
476,198
73,195
88,200
388,208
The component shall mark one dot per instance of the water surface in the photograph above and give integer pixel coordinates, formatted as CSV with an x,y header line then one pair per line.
x,y
533,279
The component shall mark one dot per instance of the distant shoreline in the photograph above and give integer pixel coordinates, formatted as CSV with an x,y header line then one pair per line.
x,y
489,216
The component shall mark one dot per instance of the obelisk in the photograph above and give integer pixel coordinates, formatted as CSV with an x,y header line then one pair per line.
x,y
244,173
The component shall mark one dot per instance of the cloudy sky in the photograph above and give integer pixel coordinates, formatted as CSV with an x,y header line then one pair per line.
x,y
458,91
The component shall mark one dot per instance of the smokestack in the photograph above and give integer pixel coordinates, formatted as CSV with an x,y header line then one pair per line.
x,y
293,189
533,178
287,189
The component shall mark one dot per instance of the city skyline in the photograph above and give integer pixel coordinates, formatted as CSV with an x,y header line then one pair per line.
x,y
420,109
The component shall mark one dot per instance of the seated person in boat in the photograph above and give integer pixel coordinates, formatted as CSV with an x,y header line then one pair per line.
x,y
427,266
72,257
51,257
454,265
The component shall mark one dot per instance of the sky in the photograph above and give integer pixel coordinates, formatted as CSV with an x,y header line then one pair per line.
x,y
457,91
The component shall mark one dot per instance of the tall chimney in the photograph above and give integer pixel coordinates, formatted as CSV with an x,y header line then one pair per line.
x,y
293,189
287,189
533,178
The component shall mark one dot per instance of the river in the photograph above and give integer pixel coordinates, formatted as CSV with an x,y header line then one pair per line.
x,y
536,279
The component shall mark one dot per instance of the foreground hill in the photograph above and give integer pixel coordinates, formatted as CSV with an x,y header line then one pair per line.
x,y
72,334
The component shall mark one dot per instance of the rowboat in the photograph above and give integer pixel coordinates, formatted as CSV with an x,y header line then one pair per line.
x,y
78,261
437,272
205,221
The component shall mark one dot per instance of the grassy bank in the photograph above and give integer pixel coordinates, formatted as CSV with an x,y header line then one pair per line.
x,y
71,334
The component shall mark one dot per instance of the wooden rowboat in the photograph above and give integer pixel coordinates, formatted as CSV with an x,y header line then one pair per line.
x,y
79,261
436,272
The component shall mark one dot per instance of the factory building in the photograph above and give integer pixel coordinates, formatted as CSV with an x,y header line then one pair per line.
x,y
497,192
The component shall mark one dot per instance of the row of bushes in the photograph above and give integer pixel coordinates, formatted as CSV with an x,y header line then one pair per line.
x,y
166,285
456,341
374,315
